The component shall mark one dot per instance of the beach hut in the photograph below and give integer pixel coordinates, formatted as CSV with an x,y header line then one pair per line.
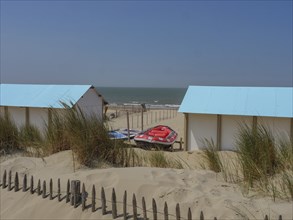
x,y
31,103
215,112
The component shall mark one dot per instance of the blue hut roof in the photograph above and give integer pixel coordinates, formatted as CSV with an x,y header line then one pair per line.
x,y
42,96
247,101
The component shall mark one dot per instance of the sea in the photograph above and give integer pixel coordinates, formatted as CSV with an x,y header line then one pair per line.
x,y
151,97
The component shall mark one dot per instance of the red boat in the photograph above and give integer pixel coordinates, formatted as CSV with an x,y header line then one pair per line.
x,y
159,136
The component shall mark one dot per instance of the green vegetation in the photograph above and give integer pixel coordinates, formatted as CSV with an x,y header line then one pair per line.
x,y
8,134
212,156
264,162
159,159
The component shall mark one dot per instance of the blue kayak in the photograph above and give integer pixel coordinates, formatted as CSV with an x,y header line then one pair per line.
x,y
117,135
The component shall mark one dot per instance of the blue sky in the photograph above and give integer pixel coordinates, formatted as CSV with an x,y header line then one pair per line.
x,y
147,43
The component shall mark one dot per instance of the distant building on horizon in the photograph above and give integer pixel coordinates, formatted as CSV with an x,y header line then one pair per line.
x,y
215,112
30,104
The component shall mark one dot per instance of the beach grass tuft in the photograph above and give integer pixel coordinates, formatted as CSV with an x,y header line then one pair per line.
x,y
211,155
159,159
9,139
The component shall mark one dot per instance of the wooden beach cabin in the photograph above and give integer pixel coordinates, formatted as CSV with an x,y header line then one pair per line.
x,y
30,103
214,112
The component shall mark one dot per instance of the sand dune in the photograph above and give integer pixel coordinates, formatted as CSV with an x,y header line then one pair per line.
x,y
200,190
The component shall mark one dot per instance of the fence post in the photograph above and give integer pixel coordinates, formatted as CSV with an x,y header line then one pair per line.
x,y
280,217
93,198
142,119
189,215
127,117
134,204
166,215
114,204
16,182
59,189
76,193
39,188
201,217
32,185
144,209
68,191
51,189
137,120
103,200
125,205
44,189
72,192
83,197
24,184
177,212
9,181
4,180
266,217
155,215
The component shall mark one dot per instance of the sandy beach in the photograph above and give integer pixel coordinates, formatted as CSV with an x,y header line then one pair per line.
x,y
193,187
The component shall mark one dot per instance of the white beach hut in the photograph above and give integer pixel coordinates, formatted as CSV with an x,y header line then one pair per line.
x,y
215,112
30,103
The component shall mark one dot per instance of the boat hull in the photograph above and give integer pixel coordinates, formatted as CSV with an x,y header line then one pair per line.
x,y
160,136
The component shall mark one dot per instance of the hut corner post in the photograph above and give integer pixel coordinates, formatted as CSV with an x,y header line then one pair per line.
x,y
186,131
219,132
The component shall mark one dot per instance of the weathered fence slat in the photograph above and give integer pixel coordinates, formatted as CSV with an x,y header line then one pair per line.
x,y
68,191
114,204
178,212
134,204
16,182
59,190
51,189
9,181
93,198
125,205
266,217
44,189
83,197
215,218
72,193
76,196
280,217
201,217
39,188
32,185
166,214
189,215
155,212
24,183
103,200
4,179
144,209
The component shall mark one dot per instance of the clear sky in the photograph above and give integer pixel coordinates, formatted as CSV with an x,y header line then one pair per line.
x,y
147,43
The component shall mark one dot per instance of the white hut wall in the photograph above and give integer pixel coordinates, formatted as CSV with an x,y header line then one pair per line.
x,y
280,127
201,126
2,111
90,103
17,114
230,129
38,118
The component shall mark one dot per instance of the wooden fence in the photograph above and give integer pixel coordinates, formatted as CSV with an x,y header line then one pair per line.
x,y
77,196
139,118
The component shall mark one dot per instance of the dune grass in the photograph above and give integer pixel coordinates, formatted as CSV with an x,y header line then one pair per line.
x,y
264,162
9,139
159,159
211,155
87,136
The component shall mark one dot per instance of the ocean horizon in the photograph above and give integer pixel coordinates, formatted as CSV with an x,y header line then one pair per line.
x,y
150,96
